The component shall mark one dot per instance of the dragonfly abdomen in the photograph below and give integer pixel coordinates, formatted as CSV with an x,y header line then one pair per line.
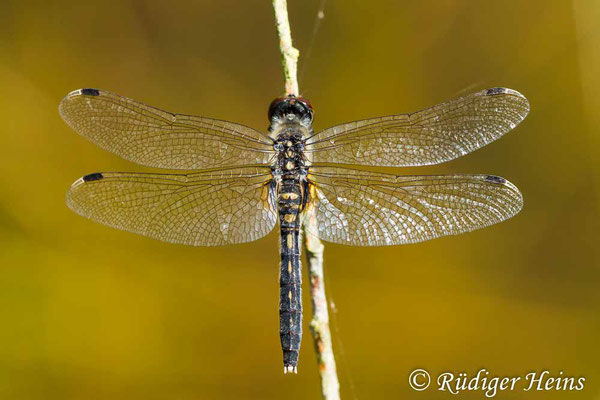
x,y
290,277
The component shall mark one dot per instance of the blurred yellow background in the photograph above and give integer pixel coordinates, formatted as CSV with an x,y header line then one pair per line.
x,y
89,312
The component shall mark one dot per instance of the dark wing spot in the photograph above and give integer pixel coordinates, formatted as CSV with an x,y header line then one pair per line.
x,y
90,92
495,91
495,179
96,176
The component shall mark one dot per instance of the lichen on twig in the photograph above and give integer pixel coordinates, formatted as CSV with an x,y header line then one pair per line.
x,y
289,54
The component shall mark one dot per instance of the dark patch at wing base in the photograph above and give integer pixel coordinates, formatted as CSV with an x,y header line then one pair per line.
x,y
90,92
96,176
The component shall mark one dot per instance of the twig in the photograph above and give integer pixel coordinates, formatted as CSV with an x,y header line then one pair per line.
x,y
289,54
319,324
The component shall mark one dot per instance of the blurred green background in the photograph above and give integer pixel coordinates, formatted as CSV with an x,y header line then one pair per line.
x,y
88,312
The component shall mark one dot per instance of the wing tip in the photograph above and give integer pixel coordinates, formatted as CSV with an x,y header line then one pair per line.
x,y
89,92
507,91
69,197
96,176
495,179
502,90
63,106
498,180
78,196
84,92
81,92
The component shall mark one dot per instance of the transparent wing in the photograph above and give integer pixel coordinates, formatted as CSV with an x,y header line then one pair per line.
x,y
209,208
435,135
156,138
363,208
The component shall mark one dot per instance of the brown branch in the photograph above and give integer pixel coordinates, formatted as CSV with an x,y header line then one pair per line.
x,y
319,324
289,54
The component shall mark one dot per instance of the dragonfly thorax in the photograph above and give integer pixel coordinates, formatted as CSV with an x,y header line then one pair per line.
x,y
290,160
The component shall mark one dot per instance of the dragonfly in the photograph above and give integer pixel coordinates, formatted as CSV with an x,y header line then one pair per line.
x,y
241,182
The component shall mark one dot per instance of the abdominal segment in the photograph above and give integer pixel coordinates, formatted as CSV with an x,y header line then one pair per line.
x,y
290,278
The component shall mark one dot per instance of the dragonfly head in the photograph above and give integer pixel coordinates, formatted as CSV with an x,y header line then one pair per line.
x,y
289,110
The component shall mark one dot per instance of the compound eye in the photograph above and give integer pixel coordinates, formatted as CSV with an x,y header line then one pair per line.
x,y
274,105
306,103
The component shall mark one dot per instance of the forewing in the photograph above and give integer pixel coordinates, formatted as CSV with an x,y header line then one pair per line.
x,y
209,208
149,136
431,136
363,208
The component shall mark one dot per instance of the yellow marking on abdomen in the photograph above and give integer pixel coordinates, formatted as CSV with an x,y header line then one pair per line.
x,y
289,196
289,241
289,217
290,267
